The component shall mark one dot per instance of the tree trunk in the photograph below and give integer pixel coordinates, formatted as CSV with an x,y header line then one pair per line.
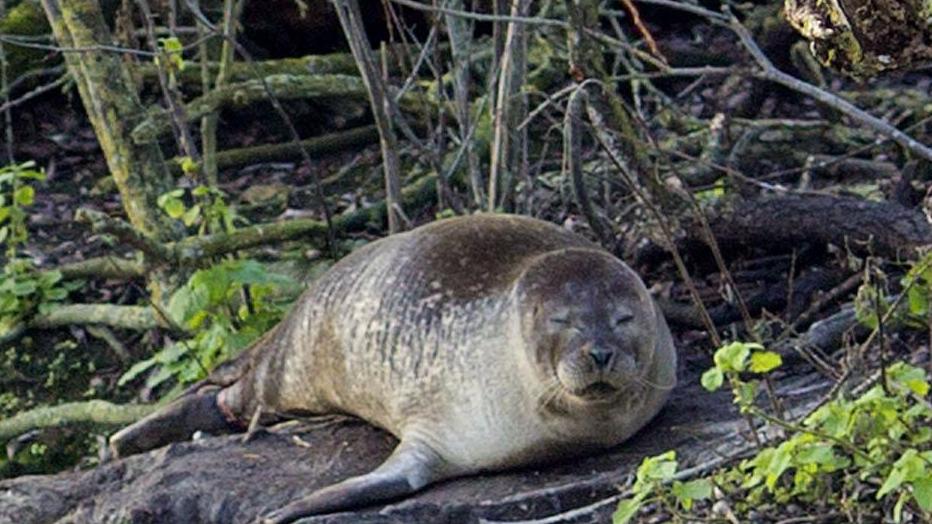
x,y
113,107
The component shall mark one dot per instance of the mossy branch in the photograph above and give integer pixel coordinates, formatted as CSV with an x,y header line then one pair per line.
x,y
92,411
284,87
326,144
103,267
330,64
413,197
126,317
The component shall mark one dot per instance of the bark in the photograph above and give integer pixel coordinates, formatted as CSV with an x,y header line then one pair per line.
x,y
124,317
865,37
789,221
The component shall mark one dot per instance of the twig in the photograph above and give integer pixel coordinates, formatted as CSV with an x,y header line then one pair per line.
x,y
649,38
5,89
44,88
481,17
572,162
770,72
169,91
351,21
625,172
509,104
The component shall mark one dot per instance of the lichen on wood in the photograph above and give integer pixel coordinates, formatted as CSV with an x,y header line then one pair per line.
x,y
94,411
865,37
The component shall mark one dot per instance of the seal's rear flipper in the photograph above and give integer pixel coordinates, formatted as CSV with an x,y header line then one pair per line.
x,y
411,467
175,422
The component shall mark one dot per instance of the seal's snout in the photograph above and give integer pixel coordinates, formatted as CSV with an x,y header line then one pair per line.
x,y
601,356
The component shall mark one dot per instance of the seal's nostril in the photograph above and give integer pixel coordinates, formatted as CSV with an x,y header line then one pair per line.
x,y
601,356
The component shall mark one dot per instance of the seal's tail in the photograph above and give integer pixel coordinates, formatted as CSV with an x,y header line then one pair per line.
x,y
194,411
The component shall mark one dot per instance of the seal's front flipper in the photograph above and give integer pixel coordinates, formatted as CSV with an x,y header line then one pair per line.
x,y
192,412
411,467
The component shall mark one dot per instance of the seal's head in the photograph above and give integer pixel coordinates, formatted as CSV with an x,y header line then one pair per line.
x,y
587,324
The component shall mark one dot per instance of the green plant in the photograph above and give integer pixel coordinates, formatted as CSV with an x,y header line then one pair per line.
x,y
652,476
212,304
842,456
210,212
16,193
22,288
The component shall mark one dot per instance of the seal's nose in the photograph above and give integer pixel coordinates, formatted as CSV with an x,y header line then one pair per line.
x,y
601,356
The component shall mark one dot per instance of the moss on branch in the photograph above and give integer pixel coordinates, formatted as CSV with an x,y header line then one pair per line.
x,y
92,411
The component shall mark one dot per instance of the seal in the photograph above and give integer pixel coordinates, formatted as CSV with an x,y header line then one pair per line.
x,y
483,342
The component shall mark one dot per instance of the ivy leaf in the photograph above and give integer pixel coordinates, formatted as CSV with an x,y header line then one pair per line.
x,y
764,361
712,379
174,207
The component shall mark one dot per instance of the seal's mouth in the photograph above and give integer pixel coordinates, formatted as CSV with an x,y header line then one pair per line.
x,y
597,391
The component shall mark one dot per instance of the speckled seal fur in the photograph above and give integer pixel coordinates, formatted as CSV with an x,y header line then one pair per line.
x,y
482,343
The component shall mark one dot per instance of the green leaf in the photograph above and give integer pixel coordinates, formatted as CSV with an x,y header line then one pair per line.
x,y
174,208
165,197
898,507
910,466
909,377
24,195
764,361
918,300
687,492
627,509
55,294
190,216
779,463
135,370
24,287
50,278
712,379
733,357
188,165
659,467
746,392
922,492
